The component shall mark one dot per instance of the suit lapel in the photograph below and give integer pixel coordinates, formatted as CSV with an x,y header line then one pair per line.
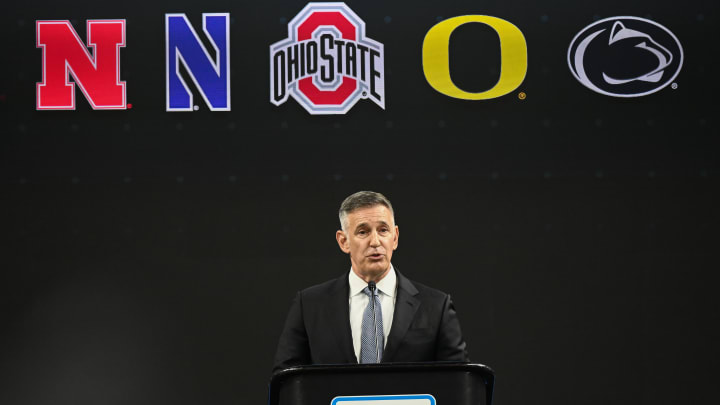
x,y
406,305
339,316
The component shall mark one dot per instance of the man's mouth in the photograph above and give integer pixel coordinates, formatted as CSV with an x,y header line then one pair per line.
x,y
376,256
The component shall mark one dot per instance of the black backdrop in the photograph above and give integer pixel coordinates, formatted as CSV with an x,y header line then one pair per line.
x,y
150,257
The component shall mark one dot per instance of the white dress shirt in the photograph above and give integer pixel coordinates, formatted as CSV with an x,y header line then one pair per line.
x,y
387,293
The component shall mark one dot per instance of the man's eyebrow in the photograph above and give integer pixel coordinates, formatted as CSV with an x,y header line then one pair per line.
x,y
365,224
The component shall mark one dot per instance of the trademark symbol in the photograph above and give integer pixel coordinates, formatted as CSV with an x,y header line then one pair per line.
x,y
674,86
129,106
195,107
364,93
522,95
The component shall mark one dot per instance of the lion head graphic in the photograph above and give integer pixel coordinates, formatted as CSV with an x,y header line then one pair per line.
x,y
620,36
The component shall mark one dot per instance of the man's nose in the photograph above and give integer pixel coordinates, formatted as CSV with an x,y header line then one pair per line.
x,y
374,239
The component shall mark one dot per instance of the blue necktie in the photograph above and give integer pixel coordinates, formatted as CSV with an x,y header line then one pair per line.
x,y
372,339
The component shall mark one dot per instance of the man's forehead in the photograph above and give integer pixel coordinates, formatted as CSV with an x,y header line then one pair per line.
x,y
377,214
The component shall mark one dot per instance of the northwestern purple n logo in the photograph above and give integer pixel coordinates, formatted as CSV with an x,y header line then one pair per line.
x,y
211,75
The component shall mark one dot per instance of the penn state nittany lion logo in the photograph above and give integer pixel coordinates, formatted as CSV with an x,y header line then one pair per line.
x,y
625,57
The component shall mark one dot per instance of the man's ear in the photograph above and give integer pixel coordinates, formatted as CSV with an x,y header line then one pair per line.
x,y
342,241
397,237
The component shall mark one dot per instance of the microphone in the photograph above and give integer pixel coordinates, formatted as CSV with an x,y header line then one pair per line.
x,y
372,287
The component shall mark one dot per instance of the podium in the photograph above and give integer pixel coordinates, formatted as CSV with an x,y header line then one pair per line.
x,y
383,384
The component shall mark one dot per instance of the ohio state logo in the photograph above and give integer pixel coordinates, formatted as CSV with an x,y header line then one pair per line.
x,y
327,63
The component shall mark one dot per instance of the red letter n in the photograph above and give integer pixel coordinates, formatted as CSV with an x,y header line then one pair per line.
x,y
64,54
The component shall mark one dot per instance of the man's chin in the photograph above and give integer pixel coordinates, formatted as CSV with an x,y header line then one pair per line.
x,y
375,270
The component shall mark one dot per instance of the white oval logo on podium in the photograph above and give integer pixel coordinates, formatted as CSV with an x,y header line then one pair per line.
x,y
415,399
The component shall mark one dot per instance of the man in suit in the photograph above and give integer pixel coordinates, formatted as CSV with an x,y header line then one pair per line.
x,y
373,313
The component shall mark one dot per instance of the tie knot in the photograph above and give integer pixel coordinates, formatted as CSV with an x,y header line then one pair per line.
x,y
367,292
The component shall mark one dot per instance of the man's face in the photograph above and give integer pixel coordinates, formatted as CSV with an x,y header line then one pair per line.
x,y
370,237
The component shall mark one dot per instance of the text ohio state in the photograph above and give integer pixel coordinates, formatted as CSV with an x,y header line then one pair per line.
x,y
327,59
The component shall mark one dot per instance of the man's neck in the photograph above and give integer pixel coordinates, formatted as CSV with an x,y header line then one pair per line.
x,y
371,277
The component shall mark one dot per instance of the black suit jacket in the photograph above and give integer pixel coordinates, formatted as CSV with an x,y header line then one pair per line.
x,y
317,331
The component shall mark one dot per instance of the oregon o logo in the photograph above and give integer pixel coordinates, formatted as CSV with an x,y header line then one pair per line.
x,y
327,63
625,57
513,57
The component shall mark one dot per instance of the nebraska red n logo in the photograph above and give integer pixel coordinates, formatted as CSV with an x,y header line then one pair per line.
x,y
97,75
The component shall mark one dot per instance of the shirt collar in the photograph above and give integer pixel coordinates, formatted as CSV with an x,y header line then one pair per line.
x,y
387,285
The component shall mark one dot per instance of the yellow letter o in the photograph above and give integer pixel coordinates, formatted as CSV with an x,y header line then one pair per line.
x,y
513,57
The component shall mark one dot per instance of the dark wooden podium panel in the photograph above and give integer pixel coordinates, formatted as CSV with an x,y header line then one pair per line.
x,y
448,383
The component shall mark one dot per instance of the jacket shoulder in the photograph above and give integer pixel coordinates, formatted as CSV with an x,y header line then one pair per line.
x,y
423,291
323,290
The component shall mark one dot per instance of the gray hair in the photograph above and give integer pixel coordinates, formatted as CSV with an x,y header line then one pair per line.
x,y
362,199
